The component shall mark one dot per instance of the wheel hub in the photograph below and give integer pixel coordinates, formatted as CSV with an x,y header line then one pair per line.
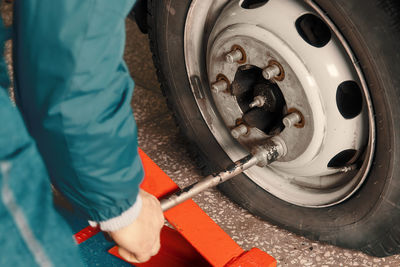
x,y
261,102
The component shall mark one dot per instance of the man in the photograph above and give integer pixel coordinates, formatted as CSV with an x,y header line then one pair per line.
x,y
73,90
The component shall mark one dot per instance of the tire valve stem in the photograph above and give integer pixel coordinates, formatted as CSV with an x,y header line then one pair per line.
x,y
239,131
219,86
348,168
261,155
292,119
233,56
258,101
271,71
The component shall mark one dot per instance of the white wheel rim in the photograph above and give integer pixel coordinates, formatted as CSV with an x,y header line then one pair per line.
x,y
265,33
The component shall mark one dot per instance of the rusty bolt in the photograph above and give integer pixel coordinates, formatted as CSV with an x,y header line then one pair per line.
x,y
291,119
219,86
239,131
271,72
234,56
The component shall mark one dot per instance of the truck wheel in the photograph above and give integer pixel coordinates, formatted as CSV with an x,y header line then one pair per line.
x,y
322,75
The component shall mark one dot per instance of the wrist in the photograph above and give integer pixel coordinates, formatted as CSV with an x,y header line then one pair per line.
x,y
124,219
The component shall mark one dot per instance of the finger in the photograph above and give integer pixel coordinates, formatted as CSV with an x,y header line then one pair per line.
x,y
162,219
128,256
134,258
156,247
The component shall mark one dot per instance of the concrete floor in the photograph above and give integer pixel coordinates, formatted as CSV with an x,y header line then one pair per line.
x,y
160,139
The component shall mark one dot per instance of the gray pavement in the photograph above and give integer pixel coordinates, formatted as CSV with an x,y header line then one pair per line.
x,y
161,140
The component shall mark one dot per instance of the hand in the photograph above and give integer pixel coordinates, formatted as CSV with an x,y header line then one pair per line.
x,y
139,241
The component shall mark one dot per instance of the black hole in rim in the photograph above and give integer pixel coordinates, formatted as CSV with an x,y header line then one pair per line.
x,y
342,159
250,4
313,30
349,99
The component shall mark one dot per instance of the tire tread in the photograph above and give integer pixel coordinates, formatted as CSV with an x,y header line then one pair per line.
x,y
198,158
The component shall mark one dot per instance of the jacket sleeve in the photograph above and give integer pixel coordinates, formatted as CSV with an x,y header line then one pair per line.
x,y
74,90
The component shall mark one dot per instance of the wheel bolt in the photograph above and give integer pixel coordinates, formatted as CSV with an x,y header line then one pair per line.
x,y
219,86
233,56
271,72
258,101
239,131
291,119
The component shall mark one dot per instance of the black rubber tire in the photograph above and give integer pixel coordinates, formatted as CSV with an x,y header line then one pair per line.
x,y
369,220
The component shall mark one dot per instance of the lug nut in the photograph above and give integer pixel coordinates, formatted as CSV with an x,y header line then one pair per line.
x,y
291,119
239,131
219,86
233,56
258,101
271,72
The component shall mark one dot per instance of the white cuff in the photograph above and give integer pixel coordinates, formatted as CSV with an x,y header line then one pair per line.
x,y
125,219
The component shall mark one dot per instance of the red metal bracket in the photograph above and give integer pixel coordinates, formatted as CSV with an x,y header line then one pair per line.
x,y
85,234
175,252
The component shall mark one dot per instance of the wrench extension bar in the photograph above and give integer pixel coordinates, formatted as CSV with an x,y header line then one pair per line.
x,y
263,155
